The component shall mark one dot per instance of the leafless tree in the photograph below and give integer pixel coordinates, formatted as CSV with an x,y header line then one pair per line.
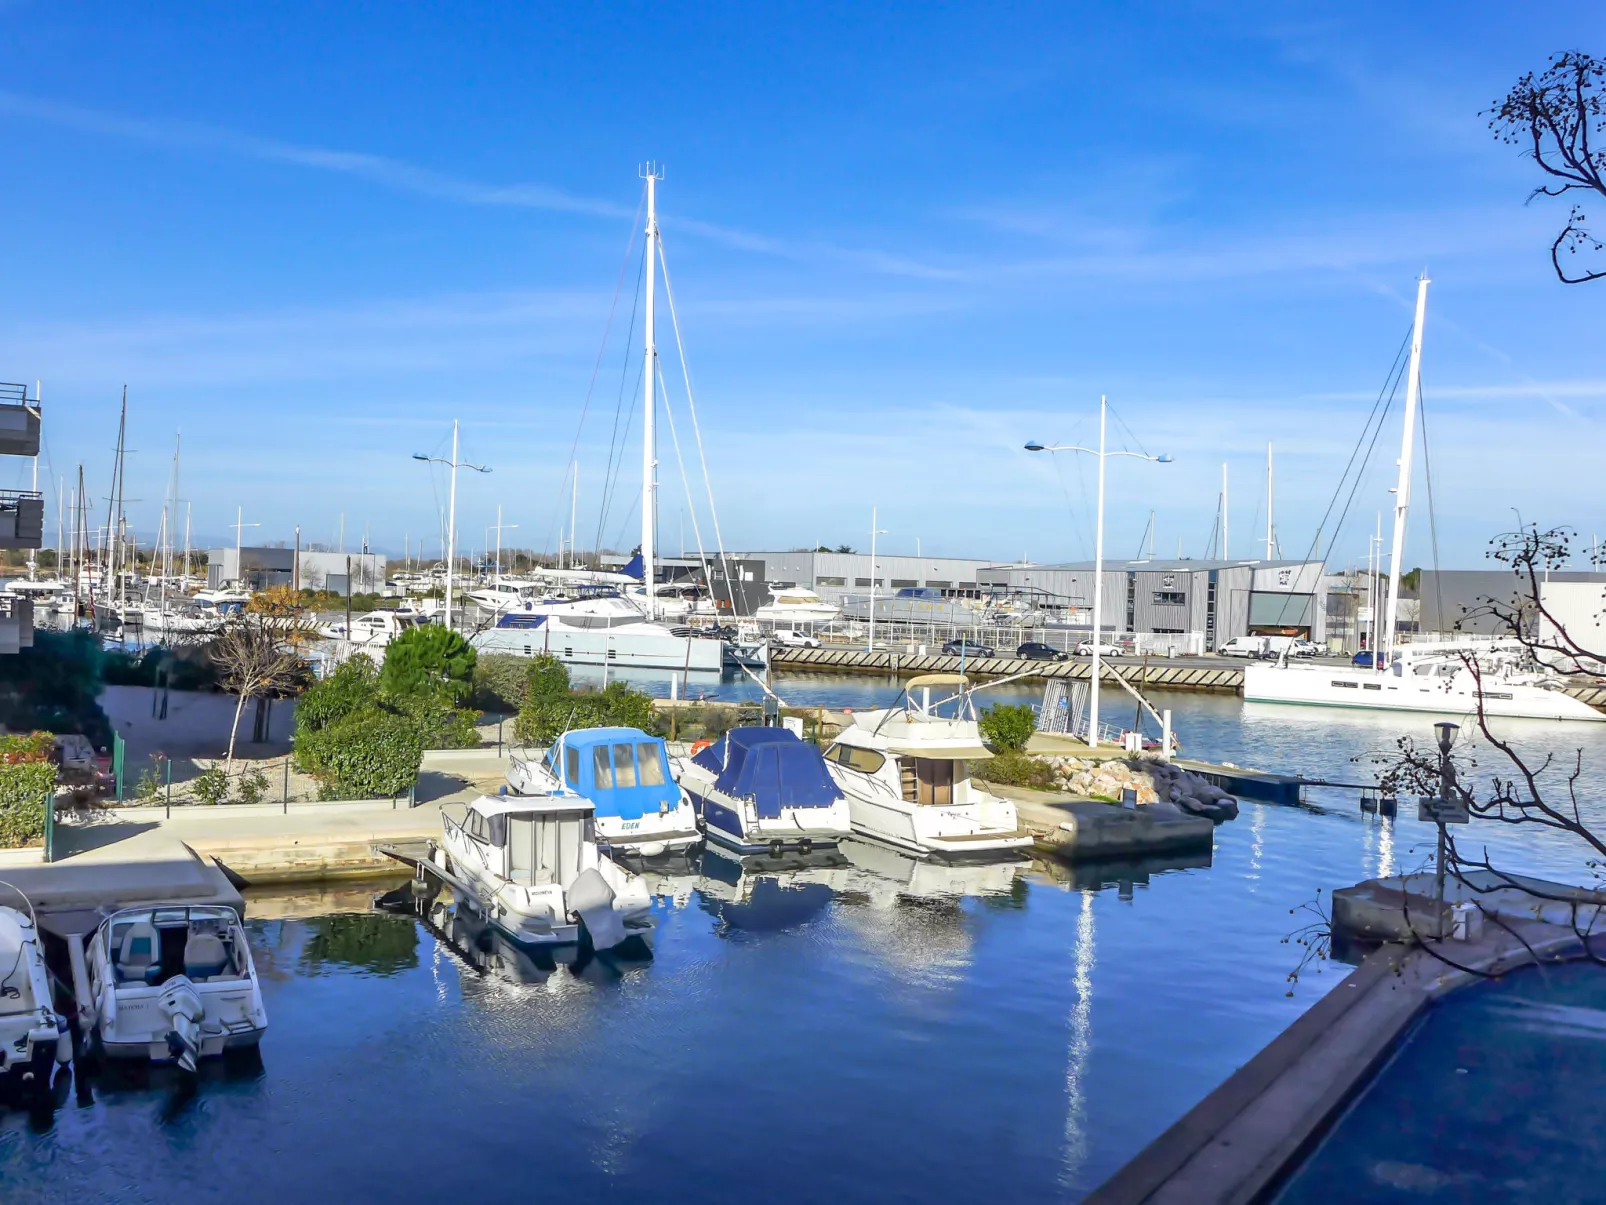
x,y
256,656
1559,116
1520,789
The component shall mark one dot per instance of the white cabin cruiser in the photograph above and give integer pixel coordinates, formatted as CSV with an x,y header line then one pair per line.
x,y
174,983
625,773
497,596
33,1036
531,865
790,606
598,627
376,629
762,790
904,772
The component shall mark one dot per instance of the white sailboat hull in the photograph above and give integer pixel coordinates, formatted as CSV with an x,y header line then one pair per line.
x,y
621,647
1354,687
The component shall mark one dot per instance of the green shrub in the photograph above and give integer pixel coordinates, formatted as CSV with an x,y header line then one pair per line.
x,y
1008,728
501,682
27,782
149,786
252,786
545,677
543,719
351,687
427,659
211,787
440,723
366,755
1015,769
55,686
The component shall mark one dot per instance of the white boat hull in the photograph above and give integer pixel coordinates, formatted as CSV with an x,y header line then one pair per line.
x,y
925,829
619,647
1354,687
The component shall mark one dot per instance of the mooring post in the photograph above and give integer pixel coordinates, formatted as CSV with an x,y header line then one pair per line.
x,y
285,798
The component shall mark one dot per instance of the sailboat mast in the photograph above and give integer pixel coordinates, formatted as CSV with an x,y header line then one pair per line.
x,y
574,509
1402,490
649,489
33,554
1224,509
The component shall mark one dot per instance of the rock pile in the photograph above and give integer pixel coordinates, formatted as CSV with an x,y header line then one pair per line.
x,y
1157,783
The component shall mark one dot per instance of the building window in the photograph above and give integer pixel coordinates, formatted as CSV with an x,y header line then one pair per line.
x,y
830,581
864,581
935,584
902,583
1170,598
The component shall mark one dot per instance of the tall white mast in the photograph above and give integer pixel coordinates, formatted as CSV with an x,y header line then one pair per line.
x,y
1402,490
574,508
1270,532
33,555
649,488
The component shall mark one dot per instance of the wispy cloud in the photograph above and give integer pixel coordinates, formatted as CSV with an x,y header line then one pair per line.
x,y
379,169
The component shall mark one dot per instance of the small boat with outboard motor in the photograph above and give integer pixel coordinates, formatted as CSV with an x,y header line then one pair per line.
x,y
531,865
33,1037
173,983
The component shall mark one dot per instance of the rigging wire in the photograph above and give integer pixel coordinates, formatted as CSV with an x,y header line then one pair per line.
x,y
619,284
610,474
610,483
685,481
691,405
1374,423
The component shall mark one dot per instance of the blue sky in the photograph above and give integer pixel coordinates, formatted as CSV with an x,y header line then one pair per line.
x,y
902,242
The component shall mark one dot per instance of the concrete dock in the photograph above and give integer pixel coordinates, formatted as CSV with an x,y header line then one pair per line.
x,y
1244,1139
1079,830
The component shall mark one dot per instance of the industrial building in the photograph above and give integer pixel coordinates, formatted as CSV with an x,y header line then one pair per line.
x,y
1215,599
1218,599
260,568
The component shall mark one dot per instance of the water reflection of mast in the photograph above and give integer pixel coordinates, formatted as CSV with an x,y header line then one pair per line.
x,y
1257,844
1081,1025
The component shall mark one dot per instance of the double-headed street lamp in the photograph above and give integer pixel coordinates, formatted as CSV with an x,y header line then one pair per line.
x,y
451,515
1098,554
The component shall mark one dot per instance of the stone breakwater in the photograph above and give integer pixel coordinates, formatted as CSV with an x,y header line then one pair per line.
x,y
1157,784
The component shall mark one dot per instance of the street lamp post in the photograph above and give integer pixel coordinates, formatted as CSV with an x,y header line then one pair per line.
x,y
451,513
874,532
1098,556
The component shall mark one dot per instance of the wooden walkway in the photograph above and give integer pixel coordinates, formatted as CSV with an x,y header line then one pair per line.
x,y
1211,677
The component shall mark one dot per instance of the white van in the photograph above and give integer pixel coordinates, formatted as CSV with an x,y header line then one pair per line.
x,y
1244,646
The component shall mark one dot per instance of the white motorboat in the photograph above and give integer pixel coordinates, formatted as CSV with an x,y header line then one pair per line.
x,y
532,867
494,597
762,790
33,1036
1449,677
597,627
905,773
625,774
173,982
790,606
376,629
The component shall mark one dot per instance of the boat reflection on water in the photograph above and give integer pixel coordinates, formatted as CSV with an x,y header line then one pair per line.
x,y
489,951
767,894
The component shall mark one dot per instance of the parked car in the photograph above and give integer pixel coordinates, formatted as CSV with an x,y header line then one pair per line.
x,y
1305,648
1367,659
966,648
788,638
1034,650
1085,649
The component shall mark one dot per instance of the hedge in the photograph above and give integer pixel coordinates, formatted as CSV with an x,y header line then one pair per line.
x,y
542,720
27,779
369,754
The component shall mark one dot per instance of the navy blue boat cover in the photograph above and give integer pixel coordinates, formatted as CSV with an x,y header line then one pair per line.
x,y
772,767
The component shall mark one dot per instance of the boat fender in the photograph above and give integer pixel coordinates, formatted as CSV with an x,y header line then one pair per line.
x,y
806,846
776,846
699,746
63,1042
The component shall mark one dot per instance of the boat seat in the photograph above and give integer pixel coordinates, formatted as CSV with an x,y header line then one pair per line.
x,y
205,956
136,954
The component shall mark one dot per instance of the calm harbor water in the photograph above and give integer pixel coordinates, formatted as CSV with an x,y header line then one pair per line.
x,y
875,1031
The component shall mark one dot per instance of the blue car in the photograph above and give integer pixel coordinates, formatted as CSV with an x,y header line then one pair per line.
x,y
1367,659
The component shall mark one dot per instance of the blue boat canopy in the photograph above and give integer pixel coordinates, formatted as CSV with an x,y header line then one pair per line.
x,y
622,771
772,767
